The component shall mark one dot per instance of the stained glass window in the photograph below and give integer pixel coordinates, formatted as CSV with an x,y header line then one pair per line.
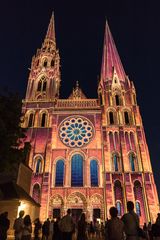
x,y
94,173
118,206
138,209
59,173
38,166
76,131
115,162
77,170
132,161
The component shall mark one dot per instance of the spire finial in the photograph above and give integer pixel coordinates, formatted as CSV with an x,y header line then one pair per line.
x,y
77,84
51,29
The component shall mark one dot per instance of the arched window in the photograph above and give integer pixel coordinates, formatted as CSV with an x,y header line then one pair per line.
x,y
94,173
38,165
45,63
39,86
115,162
52,63
117,100
132,161
138,208
30,121
77,170
43,120
126,118
111,118
118,206
36,193
59,173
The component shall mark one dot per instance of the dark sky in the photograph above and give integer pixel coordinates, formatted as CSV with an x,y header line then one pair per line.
x,y
135,25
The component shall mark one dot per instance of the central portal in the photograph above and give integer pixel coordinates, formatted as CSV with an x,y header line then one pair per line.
x,y
76,214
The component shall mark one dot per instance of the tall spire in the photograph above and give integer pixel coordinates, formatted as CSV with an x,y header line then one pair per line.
x,y
49,44
111,61
51,29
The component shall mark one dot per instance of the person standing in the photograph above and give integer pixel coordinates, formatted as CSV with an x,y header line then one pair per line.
x,y
45,229
82,228
27,228
66,226
18,225
115,226
37,228
131,222
4,225
57,235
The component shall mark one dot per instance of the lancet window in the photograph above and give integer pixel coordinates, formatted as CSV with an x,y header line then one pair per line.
x,y
42,85
77,170
132,160
59,179
111,118
115,162
31,120
43,119
94,173
126,117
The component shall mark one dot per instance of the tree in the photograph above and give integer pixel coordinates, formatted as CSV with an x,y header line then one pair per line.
x,y
13,148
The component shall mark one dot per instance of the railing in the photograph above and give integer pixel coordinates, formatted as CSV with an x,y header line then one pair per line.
x,y
79,103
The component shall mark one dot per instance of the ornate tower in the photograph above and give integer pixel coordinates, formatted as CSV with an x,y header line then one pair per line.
x,y
44,78
127,162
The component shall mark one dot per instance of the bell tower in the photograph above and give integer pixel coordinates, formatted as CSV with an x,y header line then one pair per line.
x,y
44,77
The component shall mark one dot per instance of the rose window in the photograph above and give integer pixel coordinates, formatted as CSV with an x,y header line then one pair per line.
x,y
76,131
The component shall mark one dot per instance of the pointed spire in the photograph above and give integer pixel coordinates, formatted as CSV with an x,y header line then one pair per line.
x,y
111,61
51,29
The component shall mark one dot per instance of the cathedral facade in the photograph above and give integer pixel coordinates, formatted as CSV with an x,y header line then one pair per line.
x,y
86,154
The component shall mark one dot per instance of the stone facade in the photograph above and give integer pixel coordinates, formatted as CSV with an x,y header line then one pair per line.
x,y
87,154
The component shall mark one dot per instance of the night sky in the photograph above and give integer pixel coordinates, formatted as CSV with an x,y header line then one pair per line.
x,y
135,26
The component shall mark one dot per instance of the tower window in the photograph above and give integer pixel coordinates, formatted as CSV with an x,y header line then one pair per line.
x,y
44,86
30,121
111,118
132,161
45,63
52,63
38,166
117,100
39,86
115,162
43,120
126,118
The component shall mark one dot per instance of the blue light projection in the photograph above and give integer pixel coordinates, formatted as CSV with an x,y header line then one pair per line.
x,y
118,206
77,171
59,173
94,173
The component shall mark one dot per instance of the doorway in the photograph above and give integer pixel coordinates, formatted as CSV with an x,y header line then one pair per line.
x,y
56,213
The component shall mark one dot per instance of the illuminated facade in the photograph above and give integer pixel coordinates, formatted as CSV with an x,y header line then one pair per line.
x,y
87,154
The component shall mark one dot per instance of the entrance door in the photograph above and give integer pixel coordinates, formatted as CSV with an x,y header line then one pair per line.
x,y
96,213
76,214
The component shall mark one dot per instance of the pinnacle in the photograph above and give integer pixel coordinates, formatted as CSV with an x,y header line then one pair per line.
x,y
51,29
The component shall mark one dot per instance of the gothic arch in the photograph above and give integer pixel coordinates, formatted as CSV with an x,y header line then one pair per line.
x,y
112,116
37,158
30,118
76,198
116,162
94,172
56,200
36,192
43,118
133,162
118,194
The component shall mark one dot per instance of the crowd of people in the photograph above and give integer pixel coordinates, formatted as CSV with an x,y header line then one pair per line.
x,y
125,228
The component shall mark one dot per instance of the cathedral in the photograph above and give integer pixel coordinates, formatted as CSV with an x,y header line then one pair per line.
x,y
86,154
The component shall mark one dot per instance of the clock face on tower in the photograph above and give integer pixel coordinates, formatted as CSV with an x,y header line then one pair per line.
x,y
76,131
